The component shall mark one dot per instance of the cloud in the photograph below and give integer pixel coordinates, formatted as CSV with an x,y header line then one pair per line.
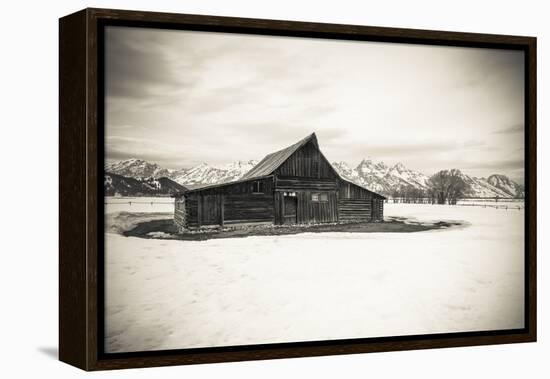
x,y
516,128
406,151
181,97
504,165
136,65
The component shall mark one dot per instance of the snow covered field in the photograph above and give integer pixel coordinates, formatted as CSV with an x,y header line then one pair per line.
x,y
167,294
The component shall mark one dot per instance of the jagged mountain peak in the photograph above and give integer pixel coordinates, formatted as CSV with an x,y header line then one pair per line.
x,y
498,178
340,163
204,173
506,185
399,167
365,162
239,165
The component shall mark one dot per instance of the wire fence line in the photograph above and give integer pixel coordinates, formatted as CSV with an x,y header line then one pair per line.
x,y
506,207
463,199
517,206
137,202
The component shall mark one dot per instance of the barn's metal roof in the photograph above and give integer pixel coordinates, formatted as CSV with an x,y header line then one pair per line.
x,y
272,161
218,185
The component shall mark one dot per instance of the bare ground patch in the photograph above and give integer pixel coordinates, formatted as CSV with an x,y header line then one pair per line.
x,y
161,226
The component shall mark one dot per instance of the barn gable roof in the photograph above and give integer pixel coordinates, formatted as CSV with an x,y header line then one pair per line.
x,y
273,161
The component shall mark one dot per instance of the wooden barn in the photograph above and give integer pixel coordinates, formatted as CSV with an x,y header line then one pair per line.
x,y
295,185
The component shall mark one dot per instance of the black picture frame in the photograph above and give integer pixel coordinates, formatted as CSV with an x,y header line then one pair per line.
x,y
81,114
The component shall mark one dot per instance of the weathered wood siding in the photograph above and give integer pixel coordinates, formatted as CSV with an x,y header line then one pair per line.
x,y
246,187
308,211
305,184
192,210
279,208
239,204
248,209
357,204
355,210
180,213
349,190
304,173
307,162
378,209
316,211
230,204
210,209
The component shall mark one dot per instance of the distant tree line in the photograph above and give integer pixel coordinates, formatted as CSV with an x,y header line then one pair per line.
x,y
444,187
409,194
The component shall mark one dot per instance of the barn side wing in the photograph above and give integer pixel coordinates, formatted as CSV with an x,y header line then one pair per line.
x,y
358,204
243,202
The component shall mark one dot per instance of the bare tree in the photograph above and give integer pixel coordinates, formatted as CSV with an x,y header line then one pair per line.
x,y
395,194
447,186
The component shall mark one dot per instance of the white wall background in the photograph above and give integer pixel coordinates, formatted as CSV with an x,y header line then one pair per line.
x,y
28,273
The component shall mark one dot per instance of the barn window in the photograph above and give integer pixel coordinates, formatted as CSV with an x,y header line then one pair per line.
x,y
258,187
323,197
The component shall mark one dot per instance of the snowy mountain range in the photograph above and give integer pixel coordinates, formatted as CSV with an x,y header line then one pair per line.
x,y
200,175
137,168
118,185
376,176
205,174
387,179
379,177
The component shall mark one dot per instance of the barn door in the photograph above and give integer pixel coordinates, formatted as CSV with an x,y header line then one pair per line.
x,y
290,209
210,210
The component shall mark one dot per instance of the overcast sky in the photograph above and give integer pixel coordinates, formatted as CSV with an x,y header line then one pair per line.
x,y
180,98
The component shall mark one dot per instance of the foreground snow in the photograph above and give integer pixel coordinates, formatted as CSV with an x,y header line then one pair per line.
x,y
182,294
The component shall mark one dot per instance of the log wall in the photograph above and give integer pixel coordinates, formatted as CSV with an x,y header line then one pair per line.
x,y
230,204
355,210
357,204
378,209
240,209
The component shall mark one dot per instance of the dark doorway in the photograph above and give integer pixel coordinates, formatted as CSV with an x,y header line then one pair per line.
x,y
290,206
211,211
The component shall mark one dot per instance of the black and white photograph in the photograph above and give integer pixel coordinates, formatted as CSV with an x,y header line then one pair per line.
x,y
266,189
